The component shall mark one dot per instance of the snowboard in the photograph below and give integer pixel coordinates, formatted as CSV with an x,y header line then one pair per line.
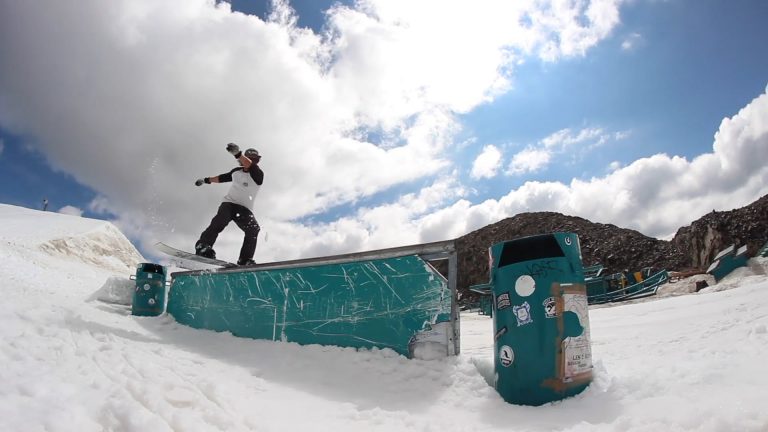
x,y
178,253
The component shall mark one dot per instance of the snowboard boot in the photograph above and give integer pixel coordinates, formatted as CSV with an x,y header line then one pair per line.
x,y
204,250
247,262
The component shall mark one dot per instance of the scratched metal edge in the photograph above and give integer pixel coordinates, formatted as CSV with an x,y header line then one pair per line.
x,y
436,250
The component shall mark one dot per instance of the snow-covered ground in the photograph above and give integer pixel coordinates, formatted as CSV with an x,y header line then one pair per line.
x,y
72,362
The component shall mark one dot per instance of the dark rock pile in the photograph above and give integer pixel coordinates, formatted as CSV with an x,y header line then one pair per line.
x,y
620,249
706,237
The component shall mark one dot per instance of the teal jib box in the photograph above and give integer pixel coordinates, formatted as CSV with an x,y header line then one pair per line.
x,y
541,319
149,293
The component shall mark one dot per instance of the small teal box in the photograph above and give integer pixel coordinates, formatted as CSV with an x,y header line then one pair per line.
x,y
149,294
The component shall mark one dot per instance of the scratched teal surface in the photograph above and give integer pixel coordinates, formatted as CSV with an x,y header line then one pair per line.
x,y
374,303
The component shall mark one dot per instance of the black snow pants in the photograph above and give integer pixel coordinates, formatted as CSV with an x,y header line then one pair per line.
x,y
243,218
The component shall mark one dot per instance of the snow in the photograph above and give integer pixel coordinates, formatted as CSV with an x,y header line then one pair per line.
x,y
116,290
74,358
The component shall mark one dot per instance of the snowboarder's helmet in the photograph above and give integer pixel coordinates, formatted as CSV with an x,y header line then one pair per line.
x,y
252,154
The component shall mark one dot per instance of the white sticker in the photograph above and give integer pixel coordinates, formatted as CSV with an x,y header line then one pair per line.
x,y
550,307
568,240
525,286
502,301
577,350
506,355
522,314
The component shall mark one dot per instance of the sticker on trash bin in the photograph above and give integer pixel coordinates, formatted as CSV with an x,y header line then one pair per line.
x,y
522,314
506,356
550,307
502,331
502,301
577,350
525,286
146,287
568,240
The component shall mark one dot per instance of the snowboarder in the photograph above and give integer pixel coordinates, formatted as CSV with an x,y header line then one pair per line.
x,y
237,204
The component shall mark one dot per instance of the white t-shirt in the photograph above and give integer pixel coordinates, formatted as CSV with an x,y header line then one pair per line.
x,y
244,186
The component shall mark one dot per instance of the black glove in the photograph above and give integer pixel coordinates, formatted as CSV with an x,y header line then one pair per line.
x,y
234,150
199,182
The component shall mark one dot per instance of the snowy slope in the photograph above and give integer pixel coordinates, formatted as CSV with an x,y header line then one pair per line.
x,y
72,238
690,362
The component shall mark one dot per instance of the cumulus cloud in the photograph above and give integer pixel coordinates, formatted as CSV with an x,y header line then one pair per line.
x,y
107,91
411,218
536,157
487,163
654,195
529,160
137,98
568,19
71,210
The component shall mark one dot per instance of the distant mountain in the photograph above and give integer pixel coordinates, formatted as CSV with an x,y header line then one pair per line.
x,y
619,249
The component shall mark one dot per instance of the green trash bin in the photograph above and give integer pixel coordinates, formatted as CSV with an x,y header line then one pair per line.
x,y
149,294
541,319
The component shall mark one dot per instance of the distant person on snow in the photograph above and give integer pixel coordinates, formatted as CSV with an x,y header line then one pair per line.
x,y
237,204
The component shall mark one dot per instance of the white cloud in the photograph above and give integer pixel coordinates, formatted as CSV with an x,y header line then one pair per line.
x,y
654,195
631,41
487,163
622,135
659,194
70,210
528,161
565,138
412,218
2,146
567,19
536,157
137,98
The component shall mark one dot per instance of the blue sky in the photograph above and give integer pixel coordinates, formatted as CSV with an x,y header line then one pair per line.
x,y
658,79
671,90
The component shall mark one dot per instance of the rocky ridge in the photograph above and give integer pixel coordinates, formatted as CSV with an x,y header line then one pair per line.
x,y
620,249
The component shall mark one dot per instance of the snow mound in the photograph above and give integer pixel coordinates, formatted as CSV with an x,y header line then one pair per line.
x,y
118,290
91,241
105,246
684,286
